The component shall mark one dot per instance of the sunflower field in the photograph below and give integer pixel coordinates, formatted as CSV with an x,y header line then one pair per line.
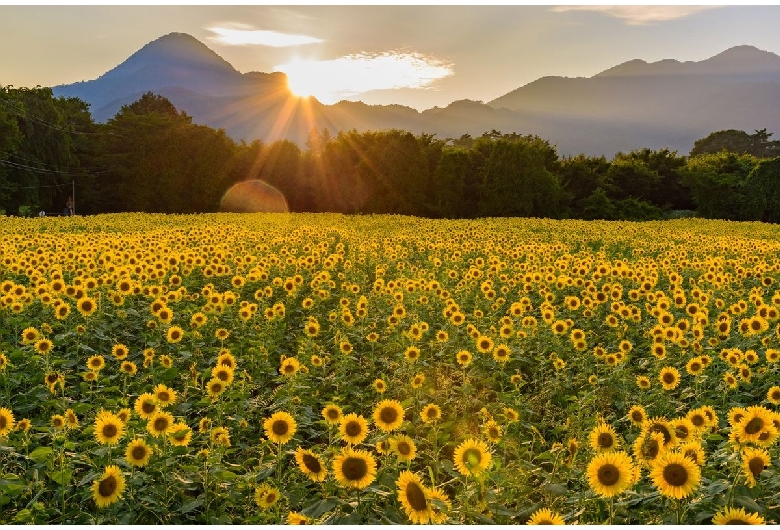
x,y
321,368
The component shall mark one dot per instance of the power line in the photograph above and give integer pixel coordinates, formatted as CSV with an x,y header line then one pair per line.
x,y
32,161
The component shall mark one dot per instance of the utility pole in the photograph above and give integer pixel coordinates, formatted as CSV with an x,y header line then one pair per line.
x,y
73,183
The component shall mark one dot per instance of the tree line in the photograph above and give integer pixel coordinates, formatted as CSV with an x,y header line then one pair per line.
x,y
151,157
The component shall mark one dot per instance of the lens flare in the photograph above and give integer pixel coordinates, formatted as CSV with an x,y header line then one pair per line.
x,y
252,196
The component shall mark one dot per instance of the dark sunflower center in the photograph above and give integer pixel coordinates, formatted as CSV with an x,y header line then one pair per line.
x,y
756,466
107,486
663,430
681,431
352,428
695,367
216,387
138,452
354,468
311,463
697,420
333,414
675,474
493,432
163,396
288,368
160,424
388,415
416,497
404,448
637,416
3,422
737,521
605,440
148,407
472,457
754,426
270,497
222,375
608,475
109,431
51,378
668,378
280,427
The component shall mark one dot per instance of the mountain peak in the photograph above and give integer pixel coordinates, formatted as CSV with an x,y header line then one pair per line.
x,y
175,49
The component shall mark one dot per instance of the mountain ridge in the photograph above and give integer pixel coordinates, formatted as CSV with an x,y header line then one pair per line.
x,y
624,107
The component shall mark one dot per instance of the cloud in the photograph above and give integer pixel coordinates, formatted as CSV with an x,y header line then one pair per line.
x,y
243,35
334,79
640,15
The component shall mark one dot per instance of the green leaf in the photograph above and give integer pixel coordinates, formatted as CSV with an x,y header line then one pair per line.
x,y
747,502
61,477
24,516
320,507
40,455
557,489
187,507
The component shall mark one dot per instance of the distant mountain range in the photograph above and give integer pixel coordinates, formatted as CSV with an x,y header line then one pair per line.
x,y
632,105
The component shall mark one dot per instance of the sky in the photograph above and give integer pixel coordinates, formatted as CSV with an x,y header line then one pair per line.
x,y
418,56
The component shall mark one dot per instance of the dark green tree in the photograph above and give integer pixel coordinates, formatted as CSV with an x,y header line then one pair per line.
x,y
762,192
717,183
738,142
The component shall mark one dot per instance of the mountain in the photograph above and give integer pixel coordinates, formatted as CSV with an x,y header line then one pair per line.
x,y
634,104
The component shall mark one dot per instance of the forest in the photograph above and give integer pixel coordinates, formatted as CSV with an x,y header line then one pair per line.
x,y
151,157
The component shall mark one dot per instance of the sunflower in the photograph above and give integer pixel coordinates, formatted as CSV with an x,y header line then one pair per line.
x,y
23,425
220,435
146,405
683,428
404,448
138,453
30,335
511,414
610,473
223,373
353,428
289,366
6,421
71,419
492,431
697,418
310,464
108,428
694,451
501,353
472,457
58,422
430,413
266,496
637,415
643,382
412,353
3,361
119,351
380,386
180,435
648,446
669,377
545,516
604,438
166,361
86,306
773,395
484,344
439,502
165,396
295,518
215,387
737,516
388,415
280,427
756,423
43,346
463,357
332,414
175,334
413,496
354,468
754,461
675,475
660,425
109,488
418,380
128,367
160,423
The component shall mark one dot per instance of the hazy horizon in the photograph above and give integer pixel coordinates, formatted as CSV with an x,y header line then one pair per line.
x,y
416,56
